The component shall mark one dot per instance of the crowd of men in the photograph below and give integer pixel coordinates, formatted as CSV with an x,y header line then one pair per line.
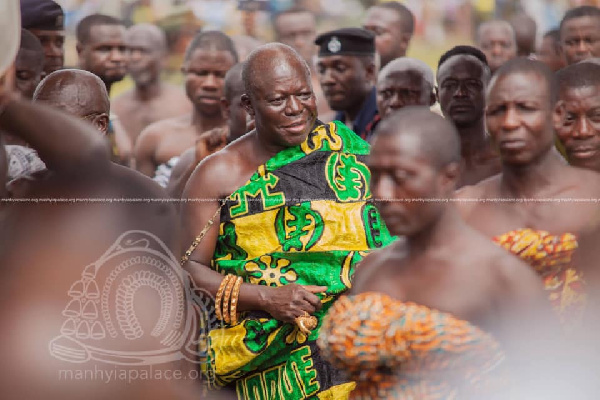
x,y
321,216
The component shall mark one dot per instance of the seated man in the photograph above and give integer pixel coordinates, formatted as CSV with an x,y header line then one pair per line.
x,y
454,274
579,131
214,140
463,76
528,208
284,213
207,59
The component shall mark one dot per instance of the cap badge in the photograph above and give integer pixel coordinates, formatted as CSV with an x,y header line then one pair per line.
x,y
334,45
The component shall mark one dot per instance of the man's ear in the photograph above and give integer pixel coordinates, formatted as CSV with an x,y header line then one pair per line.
x,y
450,176
101,123
247,105
433,97
371,70
405,41
558,115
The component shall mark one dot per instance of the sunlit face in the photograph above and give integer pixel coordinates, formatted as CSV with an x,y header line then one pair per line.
x,y
283,104
579,130
519,117
580,39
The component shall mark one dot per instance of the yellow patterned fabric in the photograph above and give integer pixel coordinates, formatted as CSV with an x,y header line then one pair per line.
x,y
305,217
550,256
397,350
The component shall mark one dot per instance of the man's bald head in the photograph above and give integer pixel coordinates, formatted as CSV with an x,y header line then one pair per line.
x,y
525,29
498,42
77,92
149,35
279,95
404,82
267,58
148,47
438,138
404,64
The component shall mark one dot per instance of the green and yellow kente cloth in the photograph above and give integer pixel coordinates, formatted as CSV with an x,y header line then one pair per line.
x,y
304,217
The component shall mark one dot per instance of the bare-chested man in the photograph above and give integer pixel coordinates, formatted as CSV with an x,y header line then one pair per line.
x,y
69,236
537,198
463,75
102,50
151,100
213,141
498,42
82,94
440,265
416,156
208,58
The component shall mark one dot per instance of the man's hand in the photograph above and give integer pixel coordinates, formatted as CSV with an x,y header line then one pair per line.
x,y
287,302
211,141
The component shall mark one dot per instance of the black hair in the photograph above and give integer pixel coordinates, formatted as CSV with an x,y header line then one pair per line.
x,y
579,75
463,51
84,27
579,12
216,40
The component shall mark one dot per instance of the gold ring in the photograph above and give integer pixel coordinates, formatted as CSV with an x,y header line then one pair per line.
x,y
306,323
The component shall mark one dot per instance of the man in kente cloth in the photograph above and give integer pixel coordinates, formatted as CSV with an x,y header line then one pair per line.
x,y
538,206
295,220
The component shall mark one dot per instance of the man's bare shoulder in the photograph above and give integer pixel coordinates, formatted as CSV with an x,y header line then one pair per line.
x,y
123,98
167,126
467,197
371,265
223,171
585,182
